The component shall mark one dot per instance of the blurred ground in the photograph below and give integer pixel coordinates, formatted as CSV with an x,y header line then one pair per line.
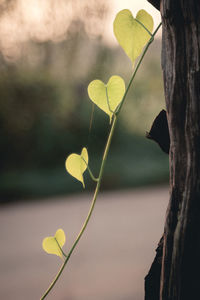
x,y
111,260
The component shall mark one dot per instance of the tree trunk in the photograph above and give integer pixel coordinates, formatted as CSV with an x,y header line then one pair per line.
x,y
180,274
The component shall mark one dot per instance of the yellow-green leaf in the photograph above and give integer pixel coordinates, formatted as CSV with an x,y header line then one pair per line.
x,y
130,34
53,244
107,96
77,164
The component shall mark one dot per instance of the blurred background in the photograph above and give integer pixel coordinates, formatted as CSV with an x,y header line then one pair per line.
x,y
49,52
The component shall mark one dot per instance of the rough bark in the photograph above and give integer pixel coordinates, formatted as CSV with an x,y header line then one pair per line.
x,y
180,276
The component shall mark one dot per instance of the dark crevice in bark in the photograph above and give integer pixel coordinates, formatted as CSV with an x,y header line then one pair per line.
x,y
155,3
159,133
152,280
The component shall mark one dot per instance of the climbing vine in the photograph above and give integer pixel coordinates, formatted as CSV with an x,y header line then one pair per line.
x,y
135,36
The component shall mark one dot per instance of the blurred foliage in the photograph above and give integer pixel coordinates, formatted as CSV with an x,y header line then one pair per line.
x,y
45,115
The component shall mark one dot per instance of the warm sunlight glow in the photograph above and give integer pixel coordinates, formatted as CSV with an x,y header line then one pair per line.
x,y
33,19
50,19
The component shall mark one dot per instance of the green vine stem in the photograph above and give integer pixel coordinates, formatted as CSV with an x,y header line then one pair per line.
x,y
149,32
89,170
63,253
91,175
98,185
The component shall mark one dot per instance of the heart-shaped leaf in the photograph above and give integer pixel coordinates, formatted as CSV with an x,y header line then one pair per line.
x,y
77,164
107,96
54,244
130,34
